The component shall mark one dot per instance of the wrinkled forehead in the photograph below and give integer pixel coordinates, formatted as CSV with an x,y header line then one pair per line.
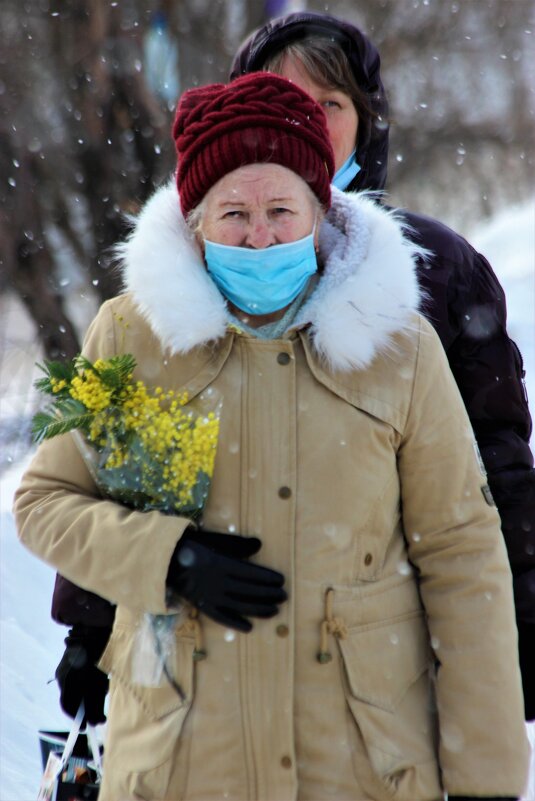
x,y
258,183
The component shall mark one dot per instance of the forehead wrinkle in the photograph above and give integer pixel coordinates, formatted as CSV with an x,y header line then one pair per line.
x,y
256,186
286,199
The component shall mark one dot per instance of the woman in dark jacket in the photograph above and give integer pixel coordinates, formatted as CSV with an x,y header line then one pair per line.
x,y
465,304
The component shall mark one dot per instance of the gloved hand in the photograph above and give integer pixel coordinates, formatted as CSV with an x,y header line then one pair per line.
x,y
210,571
78,677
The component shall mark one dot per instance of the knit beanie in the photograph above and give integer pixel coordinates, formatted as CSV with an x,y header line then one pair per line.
x,y
258,118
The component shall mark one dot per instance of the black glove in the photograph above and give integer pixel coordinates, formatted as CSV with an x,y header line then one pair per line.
x,y
210,571
78,677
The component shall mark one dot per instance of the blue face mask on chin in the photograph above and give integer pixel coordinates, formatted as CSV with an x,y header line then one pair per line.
x,y
264,280
349,169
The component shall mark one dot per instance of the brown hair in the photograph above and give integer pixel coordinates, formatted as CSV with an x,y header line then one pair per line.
x,y
328,66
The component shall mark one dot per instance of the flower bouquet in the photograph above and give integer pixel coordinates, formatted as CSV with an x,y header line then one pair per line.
x,y
148,450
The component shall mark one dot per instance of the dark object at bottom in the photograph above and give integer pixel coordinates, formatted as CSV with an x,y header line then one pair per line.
x,y
70,791
86,789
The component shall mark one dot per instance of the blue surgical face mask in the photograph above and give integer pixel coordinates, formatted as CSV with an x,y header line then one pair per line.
x,y
264,280
349,169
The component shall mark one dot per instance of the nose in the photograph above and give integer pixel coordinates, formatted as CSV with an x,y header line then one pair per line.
x,y
259,235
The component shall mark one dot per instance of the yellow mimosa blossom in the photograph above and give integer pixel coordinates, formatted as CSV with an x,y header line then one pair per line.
x,y
89,390
151,450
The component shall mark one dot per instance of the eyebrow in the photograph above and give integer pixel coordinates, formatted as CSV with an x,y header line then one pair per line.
x,y
333,91
271,200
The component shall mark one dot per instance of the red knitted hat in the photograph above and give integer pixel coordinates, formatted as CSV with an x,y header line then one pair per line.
x,y
257,118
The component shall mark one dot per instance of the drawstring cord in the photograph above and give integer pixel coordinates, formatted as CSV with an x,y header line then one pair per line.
x,y
193,626
330,625
190,626
165,667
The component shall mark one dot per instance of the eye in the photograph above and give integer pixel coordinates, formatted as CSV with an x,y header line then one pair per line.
x,y
278,210
330,104
233,214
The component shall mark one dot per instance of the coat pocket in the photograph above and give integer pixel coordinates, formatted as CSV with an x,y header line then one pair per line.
x,y
389,693
145,723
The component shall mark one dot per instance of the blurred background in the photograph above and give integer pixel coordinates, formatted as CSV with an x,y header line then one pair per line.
x,y
87,94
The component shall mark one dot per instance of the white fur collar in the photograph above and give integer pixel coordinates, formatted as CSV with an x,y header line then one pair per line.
x,y
367,292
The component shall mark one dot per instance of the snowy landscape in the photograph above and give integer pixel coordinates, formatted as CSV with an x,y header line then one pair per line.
x,y
31,644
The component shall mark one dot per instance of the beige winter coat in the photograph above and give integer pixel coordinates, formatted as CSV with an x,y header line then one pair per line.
x,y
391,672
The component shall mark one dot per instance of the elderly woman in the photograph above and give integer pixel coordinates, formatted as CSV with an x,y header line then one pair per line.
x,y
386,667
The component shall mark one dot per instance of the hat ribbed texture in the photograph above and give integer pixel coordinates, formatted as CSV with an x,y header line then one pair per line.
x,y
257,118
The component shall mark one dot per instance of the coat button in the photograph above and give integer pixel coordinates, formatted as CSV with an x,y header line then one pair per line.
x,y
286,762
282,630
368,559
283,358
285,492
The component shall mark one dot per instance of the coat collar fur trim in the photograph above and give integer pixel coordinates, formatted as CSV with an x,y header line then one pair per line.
x,y
367,292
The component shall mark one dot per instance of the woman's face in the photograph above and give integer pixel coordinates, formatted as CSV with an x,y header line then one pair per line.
x,y
257,206
342,118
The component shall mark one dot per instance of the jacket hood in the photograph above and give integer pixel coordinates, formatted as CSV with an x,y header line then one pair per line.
x,y
372,139
367,291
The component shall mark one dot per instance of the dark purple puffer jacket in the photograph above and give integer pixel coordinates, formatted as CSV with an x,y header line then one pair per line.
x,y
466,305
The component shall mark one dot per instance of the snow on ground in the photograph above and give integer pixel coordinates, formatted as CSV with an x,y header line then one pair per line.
x,y
31,645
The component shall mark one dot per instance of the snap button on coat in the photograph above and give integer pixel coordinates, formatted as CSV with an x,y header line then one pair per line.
x,y
285,492
283,358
